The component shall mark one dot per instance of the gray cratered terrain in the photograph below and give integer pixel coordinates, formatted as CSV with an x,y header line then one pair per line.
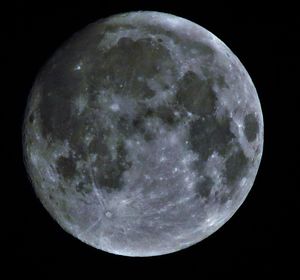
x,y
143,134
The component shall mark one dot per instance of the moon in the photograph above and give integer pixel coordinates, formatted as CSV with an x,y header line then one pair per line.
x,y
143,134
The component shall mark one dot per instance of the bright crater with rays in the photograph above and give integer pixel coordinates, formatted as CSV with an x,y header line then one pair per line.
x,y
143,134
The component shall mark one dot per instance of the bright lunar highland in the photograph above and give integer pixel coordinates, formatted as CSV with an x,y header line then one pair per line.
x,y
143,134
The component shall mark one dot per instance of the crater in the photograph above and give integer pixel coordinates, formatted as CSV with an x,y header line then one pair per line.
x,y
251,127
108,214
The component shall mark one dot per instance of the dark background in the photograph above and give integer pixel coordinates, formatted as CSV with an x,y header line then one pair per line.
x,y
259,238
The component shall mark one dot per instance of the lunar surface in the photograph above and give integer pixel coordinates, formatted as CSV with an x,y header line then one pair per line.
x,y
143,134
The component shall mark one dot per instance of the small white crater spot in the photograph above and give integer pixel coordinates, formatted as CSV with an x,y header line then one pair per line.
x,y
77,67
115,107
108,214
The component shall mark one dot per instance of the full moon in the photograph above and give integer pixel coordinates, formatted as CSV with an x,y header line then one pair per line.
x,y
143,134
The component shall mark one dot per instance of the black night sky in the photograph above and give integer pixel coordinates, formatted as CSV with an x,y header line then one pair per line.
x,y
259,238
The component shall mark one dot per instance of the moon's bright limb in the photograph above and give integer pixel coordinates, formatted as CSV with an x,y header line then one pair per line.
x,y
143,134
